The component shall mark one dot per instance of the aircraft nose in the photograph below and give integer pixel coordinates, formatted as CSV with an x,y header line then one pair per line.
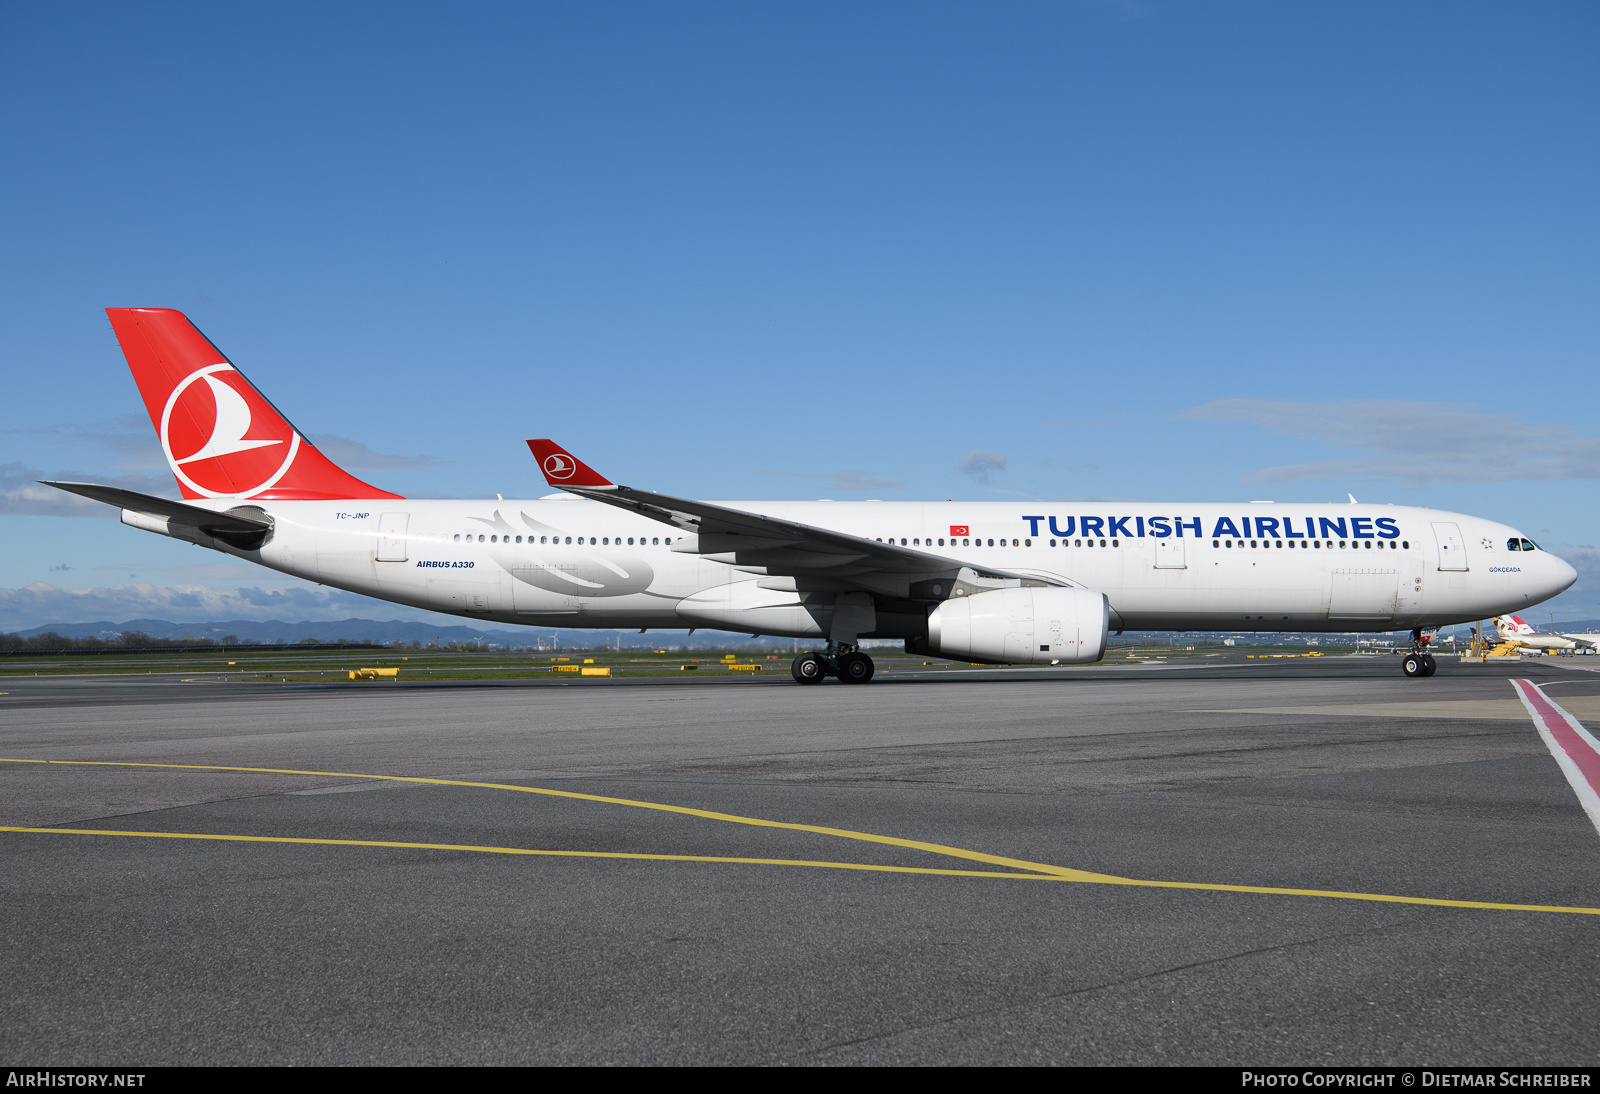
x,y
1564,575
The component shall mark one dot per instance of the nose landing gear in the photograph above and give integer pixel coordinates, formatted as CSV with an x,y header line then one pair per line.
x,y
1419,662
846,661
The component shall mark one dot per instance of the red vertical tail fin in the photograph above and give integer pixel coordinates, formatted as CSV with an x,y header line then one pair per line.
x,y
221,436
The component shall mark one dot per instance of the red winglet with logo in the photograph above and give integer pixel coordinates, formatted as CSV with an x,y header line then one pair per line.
x,y
561,468
222,438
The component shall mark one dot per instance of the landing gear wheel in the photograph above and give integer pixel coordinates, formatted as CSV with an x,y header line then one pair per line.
x,y
1430,666
808,668
1414,665
855,668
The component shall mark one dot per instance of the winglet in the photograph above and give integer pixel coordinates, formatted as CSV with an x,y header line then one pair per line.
x,y
561,468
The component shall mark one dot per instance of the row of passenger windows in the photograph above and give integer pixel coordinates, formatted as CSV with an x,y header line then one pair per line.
x,y
607,541
1316,543
915,542
593,541
964,543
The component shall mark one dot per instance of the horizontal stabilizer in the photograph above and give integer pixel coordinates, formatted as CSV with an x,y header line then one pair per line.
x,y
175,511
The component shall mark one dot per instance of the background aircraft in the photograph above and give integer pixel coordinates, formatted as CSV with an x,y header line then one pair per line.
x,y
1514,629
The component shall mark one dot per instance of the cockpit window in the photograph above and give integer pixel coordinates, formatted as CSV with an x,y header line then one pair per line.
x,y
1529,545
1513,544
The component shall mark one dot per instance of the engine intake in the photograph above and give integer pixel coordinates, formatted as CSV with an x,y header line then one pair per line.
x,y
1022,626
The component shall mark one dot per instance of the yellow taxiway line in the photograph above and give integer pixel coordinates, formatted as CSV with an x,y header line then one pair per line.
x,y
1018,868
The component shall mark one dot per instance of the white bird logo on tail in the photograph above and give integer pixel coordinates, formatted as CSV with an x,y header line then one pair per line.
x,y
233,422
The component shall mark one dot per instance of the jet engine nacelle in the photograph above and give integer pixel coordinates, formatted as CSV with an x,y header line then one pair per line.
x,y
1035,626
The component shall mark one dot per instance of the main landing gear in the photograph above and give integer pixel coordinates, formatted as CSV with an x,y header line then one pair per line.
x,y
844,660
1419,662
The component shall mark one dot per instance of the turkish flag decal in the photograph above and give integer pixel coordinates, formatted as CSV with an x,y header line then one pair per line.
x,y
959,530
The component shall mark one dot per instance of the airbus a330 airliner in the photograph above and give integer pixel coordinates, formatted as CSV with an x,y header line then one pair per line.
x,y
990,582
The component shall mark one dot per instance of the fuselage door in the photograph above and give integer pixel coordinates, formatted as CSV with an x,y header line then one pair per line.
x,y
1364,593
1169,554
1452,548
392,537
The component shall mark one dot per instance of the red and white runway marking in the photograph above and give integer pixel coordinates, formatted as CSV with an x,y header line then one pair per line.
x,y
1574,747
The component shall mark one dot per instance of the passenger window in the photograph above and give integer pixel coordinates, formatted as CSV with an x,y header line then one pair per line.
x,y
1216,543
569,540
458,537
964,543
1278,544
480,539
1368,545
1077,543
1027,543
542,539
941,543
657,540
991,543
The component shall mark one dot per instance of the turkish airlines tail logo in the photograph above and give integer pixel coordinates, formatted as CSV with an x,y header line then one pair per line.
x,y
222,438
231,423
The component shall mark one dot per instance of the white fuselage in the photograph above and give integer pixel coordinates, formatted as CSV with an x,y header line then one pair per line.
x,y
569,562
1533,640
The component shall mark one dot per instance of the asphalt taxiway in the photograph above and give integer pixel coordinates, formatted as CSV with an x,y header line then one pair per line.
x,y
1041,866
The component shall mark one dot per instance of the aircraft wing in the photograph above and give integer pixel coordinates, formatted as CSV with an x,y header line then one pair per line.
x,y
179,512
817,559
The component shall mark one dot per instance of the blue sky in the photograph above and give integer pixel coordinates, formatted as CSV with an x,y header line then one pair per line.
x,y
1140,250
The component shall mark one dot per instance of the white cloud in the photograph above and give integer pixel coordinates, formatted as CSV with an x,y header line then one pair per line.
x,y
1586,560
38,604
21,493
846,480
129,439
1414,441
355,456
980,462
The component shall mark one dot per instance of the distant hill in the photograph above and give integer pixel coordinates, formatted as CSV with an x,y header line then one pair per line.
x,y
276,631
